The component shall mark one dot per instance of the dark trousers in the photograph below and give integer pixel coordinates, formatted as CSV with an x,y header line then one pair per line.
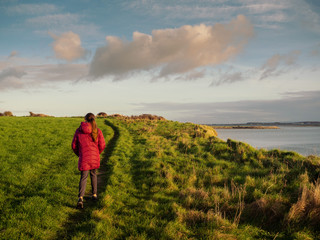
x,y
83,182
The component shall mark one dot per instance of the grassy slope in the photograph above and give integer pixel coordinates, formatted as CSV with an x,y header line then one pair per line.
x,y
161,180
174,180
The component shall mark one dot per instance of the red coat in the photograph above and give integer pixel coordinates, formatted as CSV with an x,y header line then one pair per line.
x,y
86,149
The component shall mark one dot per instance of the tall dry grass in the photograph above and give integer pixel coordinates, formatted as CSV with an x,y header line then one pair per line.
x,y
307,208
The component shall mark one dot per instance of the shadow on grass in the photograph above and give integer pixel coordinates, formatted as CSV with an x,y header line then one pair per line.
x,y
82,222
146,186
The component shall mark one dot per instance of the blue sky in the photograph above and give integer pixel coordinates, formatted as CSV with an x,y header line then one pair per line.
x,y
208,61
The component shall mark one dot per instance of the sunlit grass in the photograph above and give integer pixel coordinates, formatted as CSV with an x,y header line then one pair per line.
x,y
39,176
163,180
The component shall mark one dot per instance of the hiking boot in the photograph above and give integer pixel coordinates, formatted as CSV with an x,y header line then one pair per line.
x,y
80,203
94,197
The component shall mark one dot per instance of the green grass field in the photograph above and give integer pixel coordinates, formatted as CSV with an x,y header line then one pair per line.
x,y
158,180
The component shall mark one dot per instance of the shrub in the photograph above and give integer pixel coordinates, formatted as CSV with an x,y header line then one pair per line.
x,y
8,114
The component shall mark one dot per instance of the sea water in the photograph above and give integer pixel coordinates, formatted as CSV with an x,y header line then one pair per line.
x,y
304,140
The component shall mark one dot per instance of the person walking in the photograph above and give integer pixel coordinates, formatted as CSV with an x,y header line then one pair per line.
x,y
88,143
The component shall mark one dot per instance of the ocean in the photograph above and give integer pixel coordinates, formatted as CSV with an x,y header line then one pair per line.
x,y
304,140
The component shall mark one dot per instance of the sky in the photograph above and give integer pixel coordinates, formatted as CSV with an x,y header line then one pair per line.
x,y
203,61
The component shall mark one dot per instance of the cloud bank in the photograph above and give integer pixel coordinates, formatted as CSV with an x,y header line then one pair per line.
x,y
293,106
279,64
229,77
24,76
11,78
31,9
172,51
275,66
271,14
68,47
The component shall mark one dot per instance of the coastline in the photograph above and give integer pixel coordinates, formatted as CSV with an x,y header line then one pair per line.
x,y
265,125
303,140
245,127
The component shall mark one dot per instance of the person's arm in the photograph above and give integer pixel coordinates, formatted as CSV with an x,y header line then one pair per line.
x,y
75,145
101,141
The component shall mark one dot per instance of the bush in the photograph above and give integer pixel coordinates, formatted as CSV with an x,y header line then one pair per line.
x,y
8,114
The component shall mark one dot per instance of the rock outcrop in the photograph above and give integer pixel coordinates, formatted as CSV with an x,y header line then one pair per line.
x,y
139,117
102,114
38,115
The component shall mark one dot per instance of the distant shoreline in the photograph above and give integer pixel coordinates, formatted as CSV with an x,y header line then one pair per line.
x,y
245,127
265,125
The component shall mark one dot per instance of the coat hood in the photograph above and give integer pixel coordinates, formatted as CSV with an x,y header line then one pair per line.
x,y
85,127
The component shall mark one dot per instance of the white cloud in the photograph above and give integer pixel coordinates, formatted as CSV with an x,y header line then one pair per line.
x,y
60,23
32,9
53,20
173,51
193,12
260,8
14,76
191,76
11,78
265,12
307,13
279,17
279,64
275,66
11,72
228,77
271,14
51,73
68,47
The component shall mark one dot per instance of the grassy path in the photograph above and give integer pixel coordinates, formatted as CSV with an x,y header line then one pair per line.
x,y
81,222
137,203
121,203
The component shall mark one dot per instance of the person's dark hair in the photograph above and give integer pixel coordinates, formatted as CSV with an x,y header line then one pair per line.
x,y
90,118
